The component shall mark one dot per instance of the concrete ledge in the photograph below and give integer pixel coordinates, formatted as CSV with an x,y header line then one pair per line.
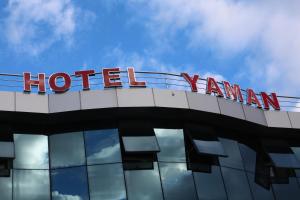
x,y
170,98
35,103
255,115
7,101
203,102
231,108
277,119
135,97
94,99
294,119
64,102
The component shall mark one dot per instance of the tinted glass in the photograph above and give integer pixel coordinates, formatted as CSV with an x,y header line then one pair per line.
x,y
31,151
171,143
210,186
31,185
236,184
69,183
249,157
177,182
289,191
234,158
139,189
209,147
102,146
106,182
6,188
259,192
140,144
67,149
285,160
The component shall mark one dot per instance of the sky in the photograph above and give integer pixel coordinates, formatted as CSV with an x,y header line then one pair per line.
x,y
253,43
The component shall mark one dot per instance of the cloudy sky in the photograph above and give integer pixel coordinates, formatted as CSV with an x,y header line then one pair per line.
x,y
254,43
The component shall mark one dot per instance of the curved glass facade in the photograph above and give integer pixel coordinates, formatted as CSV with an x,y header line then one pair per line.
x,y
96,165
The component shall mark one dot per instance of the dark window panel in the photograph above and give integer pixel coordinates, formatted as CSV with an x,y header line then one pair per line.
x,y
67,150
31,152
209,147
140,144
6,188
210,186
249,157
7,149
288,191
259,192
31,185
236,184
102,146
234,158
69,183
177,181
143,184
171,143
106,182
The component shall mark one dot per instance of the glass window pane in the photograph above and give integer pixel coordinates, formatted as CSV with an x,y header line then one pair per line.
x,y
171,143
234,158
209,147
140,144
236,184
284,160
177,182
138,188
31,185
67,149
6,188
69,183
249,157
102,146
259,192
106,182
289,191
31,151
210,186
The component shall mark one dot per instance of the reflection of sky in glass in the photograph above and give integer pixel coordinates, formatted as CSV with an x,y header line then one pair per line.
x,y
234,158
5,188
210,185
236,184
31,151
140,144
249,157
102,146
139,189
106,182
171,143
31,185
177,182
258,191
69,183
67,149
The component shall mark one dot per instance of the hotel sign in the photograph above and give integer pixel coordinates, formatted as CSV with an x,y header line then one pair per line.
x,y
112,79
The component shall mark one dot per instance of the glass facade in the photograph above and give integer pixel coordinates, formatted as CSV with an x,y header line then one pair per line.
x,y
89,165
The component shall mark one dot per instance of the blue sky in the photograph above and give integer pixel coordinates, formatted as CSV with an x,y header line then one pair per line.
x,y
253,43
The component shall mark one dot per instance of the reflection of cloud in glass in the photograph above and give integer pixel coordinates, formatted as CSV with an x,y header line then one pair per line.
x,y
111,151
67,149
171,143
102,146
31,185
57,196
31,151
177,181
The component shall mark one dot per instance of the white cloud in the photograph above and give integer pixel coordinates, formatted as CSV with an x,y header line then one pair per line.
x,y
268,31
57,196
32,26
216,76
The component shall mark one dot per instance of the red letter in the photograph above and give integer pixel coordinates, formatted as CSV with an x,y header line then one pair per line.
x,y
273,101
28,82
66,85
85,77
252,98
110,75
212,86
191,81
233,91
132,79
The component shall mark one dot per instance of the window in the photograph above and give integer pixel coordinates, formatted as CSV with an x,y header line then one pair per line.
x,y
102,146
6,188
210,147
67,150
234,158
140,144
